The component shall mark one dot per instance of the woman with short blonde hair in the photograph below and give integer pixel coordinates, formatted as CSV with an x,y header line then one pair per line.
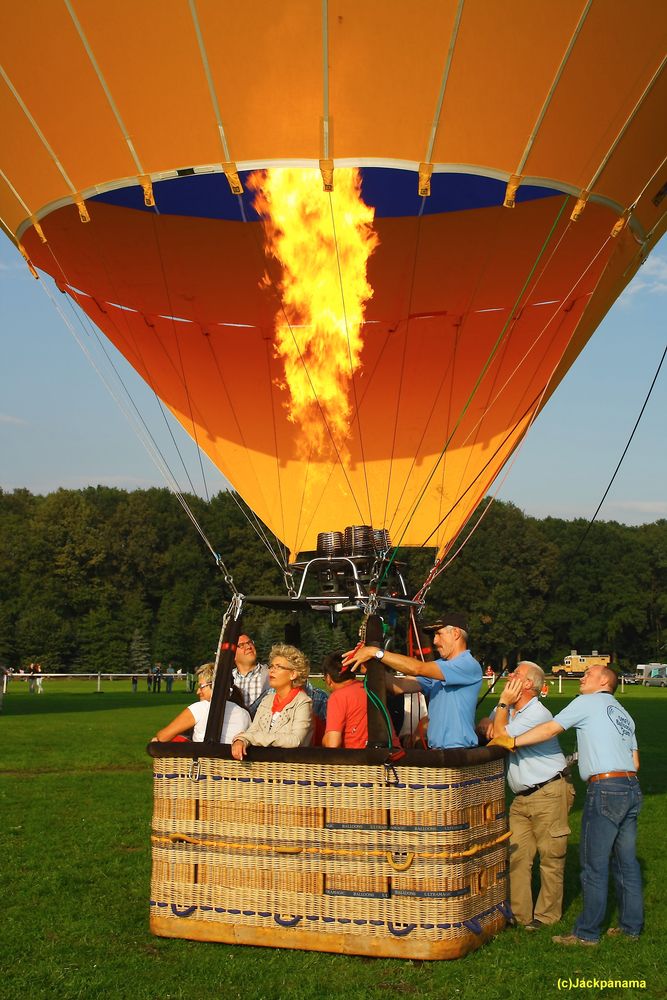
x,y
195,717
284,718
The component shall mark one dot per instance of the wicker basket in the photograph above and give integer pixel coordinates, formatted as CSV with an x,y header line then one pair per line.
x,y
355,857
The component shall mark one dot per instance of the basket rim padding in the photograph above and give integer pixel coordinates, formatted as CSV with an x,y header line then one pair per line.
x,y
459,757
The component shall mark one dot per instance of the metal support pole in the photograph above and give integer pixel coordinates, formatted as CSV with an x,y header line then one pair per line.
x,y
223,679
376,682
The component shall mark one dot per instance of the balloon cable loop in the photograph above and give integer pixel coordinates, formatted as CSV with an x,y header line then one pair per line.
x,y
290,583
227,576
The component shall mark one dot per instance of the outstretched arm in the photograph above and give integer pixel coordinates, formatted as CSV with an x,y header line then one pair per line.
x,y
403,664
180,724
538,734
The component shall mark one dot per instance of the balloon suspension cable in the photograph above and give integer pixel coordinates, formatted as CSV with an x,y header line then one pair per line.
x,y
625,450
249,515
415,629
403,373
135,420
232,612
440,564
186,387
489,689
478,381
89,328
254,524
260,531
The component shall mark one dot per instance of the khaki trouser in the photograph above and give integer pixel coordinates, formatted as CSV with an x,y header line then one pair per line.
x,y
539,825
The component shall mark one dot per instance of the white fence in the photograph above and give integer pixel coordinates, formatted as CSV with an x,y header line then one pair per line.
x,y
35,680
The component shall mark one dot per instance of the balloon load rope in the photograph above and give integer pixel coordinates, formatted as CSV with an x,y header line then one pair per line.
x,y
232,613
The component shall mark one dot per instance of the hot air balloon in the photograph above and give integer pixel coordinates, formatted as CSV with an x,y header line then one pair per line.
x,y
353,248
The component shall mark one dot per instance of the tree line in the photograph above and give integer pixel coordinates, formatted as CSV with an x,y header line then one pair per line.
x,y
102,579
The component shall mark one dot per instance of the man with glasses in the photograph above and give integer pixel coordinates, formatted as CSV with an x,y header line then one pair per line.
x,y
250,677
451,684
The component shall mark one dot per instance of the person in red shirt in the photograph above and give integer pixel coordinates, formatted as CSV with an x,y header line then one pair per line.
x,y
347,708
347,714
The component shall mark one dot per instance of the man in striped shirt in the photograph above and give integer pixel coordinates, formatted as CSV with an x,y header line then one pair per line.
x,y
250,677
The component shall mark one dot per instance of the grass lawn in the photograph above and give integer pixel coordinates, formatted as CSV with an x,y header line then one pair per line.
x,y
75,808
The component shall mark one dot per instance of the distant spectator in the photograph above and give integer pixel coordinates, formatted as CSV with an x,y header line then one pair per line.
x,y
149,680
135,683
169,678
157,678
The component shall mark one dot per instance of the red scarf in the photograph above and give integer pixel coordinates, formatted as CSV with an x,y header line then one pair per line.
x,y
279,705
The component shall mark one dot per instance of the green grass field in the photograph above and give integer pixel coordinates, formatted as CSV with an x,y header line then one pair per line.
x,y
75,808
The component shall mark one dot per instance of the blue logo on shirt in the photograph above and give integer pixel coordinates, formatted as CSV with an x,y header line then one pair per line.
x,y
620,720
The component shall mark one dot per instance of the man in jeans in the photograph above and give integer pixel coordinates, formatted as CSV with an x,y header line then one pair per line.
x,y
608,761
543,797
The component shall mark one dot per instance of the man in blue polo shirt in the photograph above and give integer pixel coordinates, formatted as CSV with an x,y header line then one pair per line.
x,y
543,798
608,761
451,683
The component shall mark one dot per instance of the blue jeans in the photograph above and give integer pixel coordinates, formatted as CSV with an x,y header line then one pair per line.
x,y
609,830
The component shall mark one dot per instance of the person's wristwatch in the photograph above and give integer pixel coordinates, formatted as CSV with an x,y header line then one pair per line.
x,y
501,704
379,654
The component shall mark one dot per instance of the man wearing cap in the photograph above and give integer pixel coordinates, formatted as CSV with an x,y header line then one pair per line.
x,y
608,761
451,683
543,797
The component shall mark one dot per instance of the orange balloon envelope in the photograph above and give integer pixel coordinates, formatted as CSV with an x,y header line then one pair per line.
x,y
504,173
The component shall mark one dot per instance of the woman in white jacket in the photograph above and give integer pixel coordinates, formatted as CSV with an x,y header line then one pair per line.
x,y
284,718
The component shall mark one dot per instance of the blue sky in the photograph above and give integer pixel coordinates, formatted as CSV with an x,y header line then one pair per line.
x,y
60,427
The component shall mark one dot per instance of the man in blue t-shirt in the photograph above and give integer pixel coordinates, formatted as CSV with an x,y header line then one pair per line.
x,y
451,683
608,761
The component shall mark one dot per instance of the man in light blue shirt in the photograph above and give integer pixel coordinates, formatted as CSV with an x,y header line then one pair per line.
x,y
451,683
609,761
543,797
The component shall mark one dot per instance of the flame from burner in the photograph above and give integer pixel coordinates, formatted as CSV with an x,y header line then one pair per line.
x,y
323,242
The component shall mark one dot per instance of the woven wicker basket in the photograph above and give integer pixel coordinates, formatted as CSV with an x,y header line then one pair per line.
x,y
355,857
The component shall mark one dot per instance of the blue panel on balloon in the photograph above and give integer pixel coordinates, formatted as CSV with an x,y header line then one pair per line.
x,y
393,193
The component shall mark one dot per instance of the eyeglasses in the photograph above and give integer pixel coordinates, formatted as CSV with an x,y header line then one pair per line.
x,y
245,645
201,687
279,666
